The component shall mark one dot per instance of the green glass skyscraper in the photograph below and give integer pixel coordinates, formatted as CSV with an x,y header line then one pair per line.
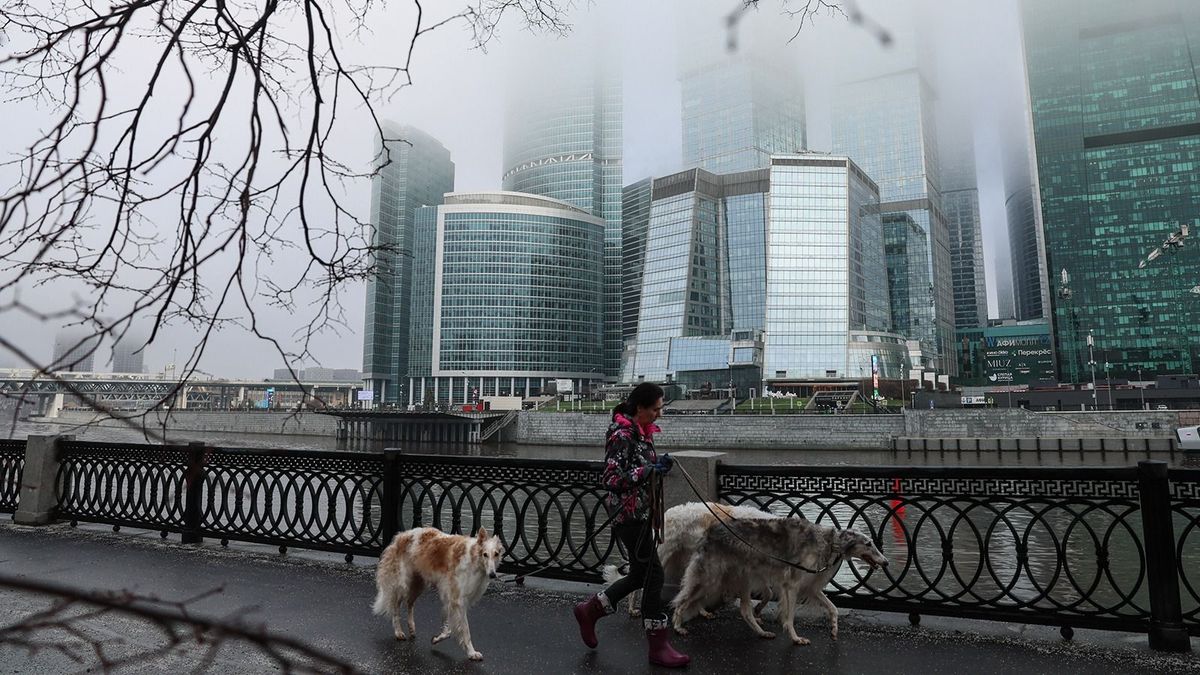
x,y
1116,122
418,174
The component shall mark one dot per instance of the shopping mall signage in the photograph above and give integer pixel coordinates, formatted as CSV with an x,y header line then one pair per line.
x,y
1016,359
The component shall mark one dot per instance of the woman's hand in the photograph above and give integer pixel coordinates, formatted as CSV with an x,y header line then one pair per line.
x,y
664,464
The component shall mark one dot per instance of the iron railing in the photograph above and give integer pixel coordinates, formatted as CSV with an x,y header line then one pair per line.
x,y
1077,547
1055,546
12,463
317,500
1185,508
546,512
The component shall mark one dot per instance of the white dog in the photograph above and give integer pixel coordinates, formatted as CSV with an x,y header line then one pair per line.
x,y
684,527
734,561
458,566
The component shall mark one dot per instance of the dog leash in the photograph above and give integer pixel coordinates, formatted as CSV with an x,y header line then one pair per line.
x,y
519,579
687,477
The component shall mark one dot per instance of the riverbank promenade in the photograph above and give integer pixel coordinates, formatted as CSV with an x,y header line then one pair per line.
x,y
325,602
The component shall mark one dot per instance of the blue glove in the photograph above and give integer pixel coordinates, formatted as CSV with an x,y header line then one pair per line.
x,y
664,463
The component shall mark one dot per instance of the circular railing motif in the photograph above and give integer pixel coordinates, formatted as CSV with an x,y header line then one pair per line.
x,y
140,486
12,464
546,517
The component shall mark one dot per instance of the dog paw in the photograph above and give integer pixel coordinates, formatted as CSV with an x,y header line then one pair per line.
x,y
834,635
707,614
439,638
800,642
475,656
680,630
634,613
767,635
401,637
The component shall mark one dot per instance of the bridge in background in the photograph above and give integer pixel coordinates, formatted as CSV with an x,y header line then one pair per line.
x,y
48,394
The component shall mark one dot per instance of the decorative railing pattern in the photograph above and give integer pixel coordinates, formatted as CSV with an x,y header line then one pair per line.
x,y
318,500
122,484
545,512
1185,506
12,463
1078,547
1058,546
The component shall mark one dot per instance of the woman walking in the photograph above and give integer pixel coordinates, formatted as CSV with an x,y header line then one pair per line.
x,y
631,467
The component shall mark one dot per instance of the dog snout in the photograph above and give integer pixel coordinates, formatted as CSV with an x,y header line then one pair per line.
x,y
491,575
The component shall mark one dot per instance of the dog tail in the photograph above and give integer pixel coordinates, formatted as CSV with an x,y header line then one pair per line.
x,y
384,591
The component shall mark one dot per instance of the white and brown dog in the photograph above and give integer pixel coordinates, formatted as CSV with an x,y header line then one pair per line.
x,y
724,566
458,566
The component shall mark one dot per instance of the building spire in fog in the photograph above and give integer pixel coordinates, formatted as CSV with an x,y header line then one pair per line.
x,y
564,140
886,125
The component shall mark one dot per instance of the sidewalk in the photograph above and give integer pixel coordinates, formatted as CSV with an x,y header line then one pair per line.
x,y
325,602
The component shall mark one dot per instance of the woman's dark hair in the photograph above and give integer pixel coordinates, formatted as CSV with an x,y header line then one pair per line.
x,y
645,395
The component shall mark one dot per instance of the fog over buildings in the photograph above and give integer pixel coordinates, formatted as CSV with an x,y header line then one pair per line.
x,y
970,53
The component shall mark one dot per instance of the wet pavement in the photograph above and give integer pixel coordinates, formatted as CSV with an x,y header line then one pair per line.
x,y
326,603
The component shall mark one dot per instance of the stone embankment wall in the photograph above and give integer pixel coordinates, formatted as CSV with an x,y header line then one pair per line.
x,y
722,431
241,422
1019,423
856,431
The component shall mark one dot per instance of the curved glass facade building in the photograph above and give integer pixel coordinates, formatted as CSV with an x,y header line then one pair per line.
x,y
564,141
513,297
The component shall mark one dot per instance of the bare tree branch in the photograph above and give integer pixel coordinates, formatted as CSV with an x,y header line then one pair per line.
x,y
190,145
63,628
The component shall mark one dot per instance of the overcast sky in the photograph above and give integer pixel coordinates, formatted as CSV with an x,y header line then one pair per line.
x,y
970,50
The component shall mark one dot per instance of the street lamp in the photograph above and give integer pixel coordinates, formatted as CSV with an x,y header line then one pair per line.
x,y
1108,382
1142,388
1092,364
1065,293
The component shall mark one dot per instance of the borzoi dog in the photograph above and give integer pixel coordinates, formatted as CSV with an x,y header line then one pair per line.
x,y
723,566
458,566
683,530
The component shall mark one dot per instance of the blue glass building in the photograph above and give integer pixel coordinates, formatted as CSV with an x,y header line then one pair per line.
x,y
738,111
780,268
886,125
827,309
511,297
564,141
415,171
960,202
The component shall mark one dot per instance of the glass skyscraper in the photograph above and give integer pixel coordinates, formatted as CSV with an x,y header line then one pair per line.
x,y
906,248
794,249
827,300
681,282
960,202
564,141
1025,241
511,297
1116,122
635,221
417,172
738,111
886,125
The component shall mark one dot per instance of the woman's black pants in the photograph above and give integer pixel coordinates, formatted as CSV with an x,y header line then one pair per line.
x,y
645,571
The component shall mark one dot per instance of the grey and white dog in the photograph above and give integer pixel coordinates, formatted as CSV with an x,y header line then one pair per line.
x,y
724,567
